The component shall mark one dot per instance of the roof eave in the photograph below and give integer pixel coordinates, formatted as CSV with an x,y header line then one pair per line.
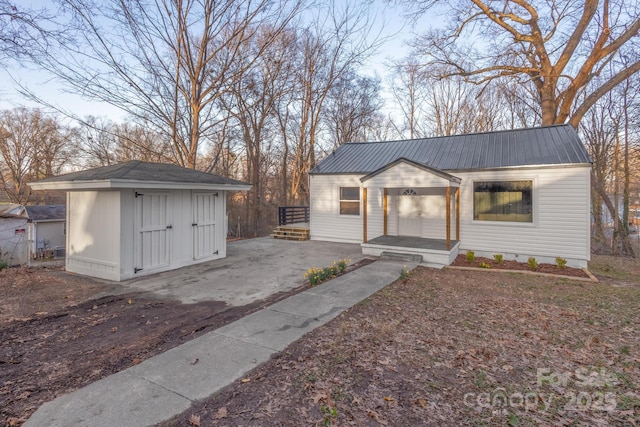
x,y
113,184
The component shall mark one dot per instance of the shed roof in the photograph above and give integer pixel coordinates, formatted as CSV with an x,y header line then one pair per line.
x,y
46,212
138,174
548,145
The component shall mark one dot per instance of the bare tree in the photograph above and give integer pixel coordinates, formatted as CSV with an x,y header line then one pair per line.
x,y
32,146
22,28
165,62
338,41
559,46
410,91
353,108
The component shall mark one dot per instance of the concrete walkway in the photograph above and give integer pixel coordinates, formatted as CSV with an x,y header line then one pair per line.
x,y
167,384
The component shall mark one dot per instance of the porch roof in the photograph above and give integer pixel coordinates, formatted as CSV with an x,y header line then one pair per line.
x,y
398,180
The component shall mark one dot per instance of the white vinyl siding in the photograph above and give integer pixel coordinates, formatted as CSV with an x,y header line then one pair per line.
x,y
326,223
109,217
561,206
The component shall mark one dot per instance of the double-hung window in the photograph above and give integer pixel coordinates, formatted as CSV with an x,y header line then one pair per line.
x,y
349,200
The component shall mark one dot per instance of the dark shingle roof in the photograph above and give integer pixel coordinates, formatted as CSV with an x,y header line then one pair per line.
x,y
136,170
549,145
46,212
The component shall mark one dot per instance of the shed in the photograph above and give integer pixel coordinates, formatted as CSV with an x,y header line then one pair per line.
x,y
138,218
520,193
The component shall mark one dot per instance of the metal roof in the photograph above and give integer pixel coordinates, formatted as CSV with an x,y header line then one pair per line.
x,y
46,212
136,171
548,145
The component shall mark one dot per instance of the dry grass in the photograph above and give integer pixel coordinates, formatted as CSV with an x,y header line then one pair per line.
x,y
458,348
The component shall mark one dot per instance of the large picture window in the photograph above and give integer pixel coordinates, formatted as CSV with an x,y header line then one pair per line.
x,y
349,200
510,201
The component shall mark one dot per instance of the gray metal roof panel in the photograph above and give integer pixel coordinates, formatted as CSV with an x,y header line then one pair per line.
x,y
549,145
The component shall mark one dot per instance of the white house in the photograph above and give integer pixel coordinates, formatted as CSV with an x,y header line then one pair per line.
x,y
138,218
520,193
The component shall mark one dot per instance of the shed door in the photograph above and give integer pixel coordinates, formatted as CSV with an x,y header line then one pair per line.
x,y
410,208
152,230
204,225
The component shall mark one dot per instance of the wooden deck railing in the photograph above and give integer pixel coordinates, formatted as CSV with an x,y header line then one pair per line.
x,y
292,214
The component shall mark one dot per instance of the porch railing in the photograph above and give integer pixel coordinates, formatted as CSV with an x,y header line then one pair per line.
x,y
292,214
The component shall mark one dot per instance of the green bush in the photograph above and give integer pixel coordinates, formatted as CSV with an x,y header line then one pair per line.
x,y
561,262
532,263
484,265
471,256
3,265
498,258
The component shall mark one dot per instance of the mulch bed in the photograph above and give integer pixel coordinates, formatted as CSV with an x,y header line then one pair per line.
x,y
461,261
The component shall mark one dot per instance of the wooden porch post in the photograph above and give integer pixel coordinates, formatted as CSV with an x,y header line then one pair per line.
x,y
448,202
384,209
364,215
458,213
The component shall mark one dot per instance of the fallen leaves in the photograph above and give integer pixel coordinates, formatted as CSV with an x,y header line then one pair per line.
x,y
194,420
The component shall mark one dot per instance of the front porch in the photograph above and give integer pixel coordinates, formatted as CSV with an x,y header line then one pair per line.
x,y
410,210
436,253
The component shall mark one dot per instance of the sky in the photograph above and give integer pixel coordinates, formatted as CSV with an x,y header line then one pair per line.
x,y
389,24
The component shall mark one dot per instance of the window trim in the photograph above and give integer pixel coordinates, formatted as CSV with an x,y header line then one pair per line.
x,y
534,202
340,200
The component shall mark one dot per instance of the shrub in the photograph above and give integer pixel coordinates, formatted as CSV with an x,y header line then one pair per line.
x,y
532,263
317,275
471,256
3,265
561,262
404,273
498,258
341,264
484,265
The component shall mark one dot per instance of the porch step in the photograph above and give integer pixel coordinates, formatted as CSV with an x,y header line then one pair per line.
x,y
396,256
290,233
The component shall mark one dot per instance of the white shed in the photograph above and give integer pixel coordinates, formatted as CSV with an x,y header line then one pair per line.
x,y
139,218
520,193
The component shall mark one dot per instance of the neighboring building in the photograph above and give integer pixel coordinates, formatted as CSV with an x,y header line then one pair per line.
x,y
14,241
138,218
47,225
521,193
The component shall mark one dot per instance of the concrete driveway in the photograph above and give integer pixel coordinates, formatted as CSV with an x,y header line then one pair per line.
x,y
252,270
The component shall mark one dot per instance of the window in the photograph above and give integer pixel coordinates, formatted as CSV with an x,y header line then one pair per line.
x,y
349,200
503,201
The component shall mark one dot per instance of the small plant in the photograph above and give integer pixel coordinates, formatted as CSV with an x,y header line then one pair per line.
x,y
341,264
561,262
330,414
532,263
3,265
484,265
317,275
404,273
498,258
471,256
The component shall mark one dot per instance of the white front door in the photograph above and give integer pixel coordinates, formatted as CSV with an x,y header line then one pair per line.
x,y
410,210
152,230
204,225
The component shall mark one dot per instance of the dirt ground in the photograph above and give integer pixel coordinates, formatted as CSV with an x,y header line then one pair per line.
x,y
430,350
60,332
456,347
